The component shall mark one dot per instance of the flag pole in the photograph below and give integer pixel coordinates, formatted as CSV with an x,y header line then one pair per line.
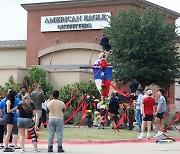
x,y
56,41
92,52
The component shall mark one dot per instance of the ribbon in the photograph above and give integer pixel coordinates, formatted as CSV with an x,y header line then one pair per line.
x,y
123,117
173,121
120,122
74,113
118,90
83,114
68,102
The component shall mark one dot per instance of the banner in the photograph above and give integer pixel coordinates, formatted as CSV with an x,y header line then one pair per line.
x,y
102,78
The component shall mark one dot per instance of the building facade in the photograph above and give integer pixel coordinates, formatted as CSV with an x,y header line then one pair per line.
x,y
48,21
13,53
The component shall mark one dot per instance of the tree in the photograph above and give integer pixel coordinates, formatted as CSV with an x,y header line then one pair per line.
x,y
38,76
144,45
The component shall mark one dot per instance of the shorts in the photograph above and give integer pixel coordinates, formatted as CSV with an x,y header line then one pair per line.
x,y
148,118
15,128
2,121
9,119
25,123
38,114
160,115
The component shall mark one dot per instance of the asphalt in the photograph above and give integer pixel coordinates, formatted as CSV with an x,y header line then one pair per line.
x,y
134,146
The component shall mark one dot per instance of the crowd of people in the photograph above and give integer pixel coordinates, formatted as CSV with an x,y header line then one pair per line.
x,y
144,110
149,112
22,112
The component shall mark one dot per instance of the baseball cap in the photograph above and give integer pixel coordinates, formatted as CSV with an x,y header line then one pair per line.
x,y
149,92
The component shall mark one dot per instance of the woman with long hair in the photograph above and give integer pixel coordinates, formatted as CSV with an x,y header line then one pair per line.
x,y
26,111
9,109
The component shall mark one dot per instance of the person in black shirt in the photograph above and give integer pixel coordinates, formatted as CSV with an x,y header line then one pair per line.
x,y
26,111
114,108
105,43
9,109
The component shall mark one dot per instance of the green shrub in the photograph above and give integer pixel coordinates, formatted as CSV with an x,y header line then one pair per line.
x,y
11,85
38,76
76,91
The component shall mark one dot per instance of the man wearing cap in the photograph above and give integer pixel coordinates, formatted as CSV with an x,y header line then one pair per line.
x,y
148,108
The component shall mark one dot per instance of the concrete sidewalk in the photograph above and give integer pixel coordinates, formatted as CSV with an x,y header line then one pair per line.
x,y
121,148
135,146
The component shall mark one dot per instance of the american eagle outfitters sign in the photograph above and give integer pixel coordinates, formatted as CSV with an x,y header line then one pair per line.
x,y
75,22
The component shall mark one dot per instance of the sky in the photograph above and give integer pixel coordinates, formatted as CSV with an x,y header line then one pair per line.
x,y
13,18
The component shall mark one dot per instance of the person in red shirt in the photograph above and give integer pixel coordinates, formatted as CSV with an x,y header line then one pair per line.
x,y
148,108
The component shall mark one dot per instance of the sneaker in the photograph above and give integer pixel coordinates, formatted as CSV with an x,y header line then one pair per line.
x,y
162,135
159,134
50,149
8,150
22,150
17,147
1,146
11,146
148,136
60,149
141,136
37,150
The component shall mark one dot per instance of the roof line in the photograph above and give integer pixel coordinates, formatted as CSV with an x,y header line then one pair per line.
x,y
13,44
28,6
161,7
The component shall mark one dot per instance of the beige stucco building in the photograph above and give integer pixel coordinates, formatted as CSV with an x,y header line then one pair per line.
x,y
13,53
65,68
12,61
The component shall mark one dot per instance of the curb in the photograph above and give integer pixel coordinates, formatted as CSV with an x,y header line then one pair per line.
x,y
153,140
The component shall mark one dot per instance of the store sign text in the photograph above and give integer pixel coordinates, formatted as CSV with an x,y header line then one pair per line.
x,y
75,22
